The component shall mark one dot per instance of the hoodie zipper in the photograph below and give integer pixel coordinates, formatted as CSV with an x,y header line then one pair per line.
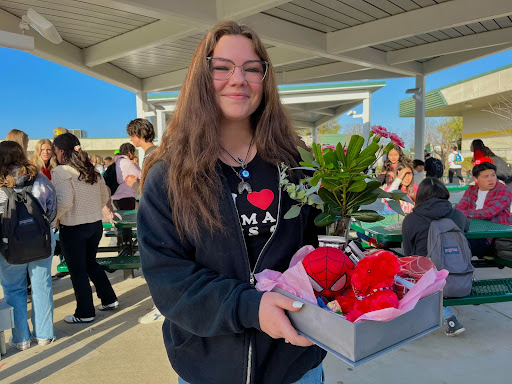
x,y
251,273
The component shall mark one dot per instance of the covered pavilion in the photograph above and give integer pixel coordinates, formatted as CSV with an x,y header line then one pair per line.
x,y
146,46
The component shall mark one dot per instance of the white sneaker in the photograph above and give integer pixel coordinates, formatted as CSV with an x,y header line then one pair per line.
x,y
43,341
107,307
72,319
154,316
22,345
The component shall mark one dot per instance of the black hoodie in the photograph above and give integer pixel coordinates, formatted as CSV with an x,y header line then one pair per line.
x,y
417,223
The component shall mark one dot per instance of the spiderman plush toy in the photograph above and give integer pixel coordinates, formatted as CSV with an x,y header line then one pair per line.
x,y
329,271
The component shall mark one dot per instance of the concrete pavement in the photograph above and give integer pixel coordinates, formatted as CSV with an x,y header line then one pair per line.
x,y
115,348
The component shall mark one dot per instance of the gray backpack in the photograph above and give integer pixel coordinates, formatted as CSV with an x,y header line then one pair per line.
x,y
449,249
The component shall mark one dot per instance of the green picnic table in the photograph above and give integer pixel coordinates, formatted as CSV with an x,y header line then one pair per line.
x,y
128,258
483,291
455,187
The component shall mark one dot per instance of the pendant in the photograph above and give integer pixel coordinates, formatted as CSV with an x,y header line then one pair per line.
x,y
244,185
244,173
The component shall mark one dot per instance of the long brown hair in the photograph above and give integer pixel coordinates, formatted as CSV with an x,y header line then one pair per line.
x,y
18,136
191,144
409,188
12,155
76,158
36,156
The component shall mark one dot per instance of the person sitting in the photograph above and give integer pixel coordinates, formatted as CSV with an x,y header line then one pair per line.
x,y
394,157
404,182
487,200
419,171
431,204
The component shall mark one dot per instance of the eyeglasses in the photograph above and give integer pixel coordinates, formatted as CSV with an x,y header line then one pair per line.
x,y
254,71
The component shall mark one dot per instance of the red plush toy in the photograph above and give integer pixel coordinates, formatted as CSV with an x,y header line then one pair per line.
x,y
372,285
329,271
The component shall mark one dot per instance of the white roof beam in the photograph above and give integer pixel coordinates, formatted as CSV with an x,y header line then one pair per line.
x,y
243,8
303,124
449,46
424,20
145,37
284,56
282,33
366,74
318,71
200,13
164,81
71,56
454,59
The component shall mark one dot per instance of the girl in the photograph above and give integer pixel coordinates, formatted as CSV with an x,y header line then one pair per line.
x,y
20,137
81,195
394,157
127,174
211,216
404,181
43,157
431,204
481,153
15,172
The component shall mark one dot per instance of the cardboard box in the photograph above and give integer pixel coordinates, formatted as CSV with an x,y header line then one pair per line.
x,y
357,343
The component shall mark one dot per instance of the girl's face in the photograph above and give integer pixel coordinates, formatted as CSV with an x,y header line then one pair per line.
x,y
59,153
393,156
46,152
408,177
236,98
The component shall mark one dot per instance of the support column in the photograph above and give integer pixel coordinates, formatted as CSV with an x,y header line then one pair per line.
x,y
315,135
141,99
161,124
366,116
419,118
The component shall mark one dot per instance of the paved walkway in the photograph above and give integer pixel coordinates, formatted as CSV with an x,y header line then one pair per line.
x,y
117,349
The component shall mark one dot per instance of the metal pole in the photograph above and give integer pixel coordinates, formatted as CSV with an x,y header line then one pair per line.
x,y
419,118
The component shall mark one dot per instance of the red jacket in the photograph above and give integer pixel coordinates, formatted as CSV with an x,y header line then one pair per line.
x,y
496,207
45,170
479,158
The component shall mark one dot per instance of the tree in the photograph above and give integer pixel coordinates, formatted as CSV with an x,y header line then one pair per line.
x,y
330,127
450,131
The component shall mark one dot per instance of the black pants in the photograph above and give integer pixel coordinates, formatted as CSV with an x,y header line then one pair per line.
x,y
79,245
457,171
481,247
126,204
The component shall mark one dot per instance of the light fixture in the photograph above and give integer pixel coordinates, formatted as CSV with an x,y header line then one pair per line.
x,y
350,113
41,25
413,90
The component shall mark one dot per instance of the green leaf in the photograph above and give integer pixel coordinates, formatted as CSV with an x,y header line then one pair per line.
x,y
313,189
293,212
397,195
306,164
388,147
335,211
327,197
306,168
324,219
330,183
340,153
355,145
314,180
367,216
316,199
331,158
305,154
395,206
358,186
370,150
383,194
372,185
301,194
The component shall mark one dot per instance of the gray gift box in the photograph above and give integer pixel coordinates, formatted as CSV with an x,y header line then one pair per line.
x,y
357,343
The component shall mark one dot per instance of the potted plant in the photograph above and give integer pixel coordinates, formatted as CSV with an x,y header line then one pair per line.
x,y
342,180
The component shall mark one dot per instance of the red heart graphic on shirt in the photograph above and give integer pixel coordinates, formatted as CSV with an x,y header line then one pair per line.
x,y
261,199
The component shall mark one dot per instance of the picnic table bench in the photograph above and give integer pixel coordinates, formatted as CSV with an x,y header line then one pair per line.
x,y
128,257
483,291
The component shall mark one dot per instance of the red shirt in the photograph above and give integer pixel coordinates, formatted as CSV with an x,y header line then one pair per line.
x,y
479,158
45,170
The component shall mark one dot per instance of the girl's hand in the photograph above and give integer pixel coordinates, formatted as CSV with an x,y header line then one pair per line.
x,y
403,172
275,323
130,180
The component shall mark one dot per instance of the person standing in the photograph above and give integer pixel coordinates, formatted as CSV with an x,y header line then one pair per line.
x,y
142,134
18,136
455,160
81,195
217,166
43,157
127,174
16,172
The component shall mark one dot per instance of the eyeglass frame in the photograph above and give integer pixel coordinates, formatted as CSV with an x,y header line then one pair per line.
x,y
263,62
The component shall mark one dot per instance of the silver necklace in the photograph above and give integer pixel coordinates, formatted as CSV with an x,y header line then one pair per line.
x,y
244,173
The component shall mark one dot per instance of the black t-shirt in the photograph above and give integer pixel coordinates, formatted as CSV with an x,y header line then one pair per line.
x,y
257,210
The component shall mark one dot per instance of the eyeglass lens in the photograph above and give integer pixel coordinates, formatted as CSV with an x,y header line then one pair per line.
x,y
222,69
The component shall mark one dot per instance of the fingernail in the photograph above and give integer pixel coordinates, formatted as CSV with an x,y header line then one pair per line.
x,y
297,304
286,341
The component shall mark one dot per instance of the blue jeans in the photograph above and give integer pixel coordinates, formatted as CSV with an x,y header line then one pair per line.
x,y
314,376
14,283
447,312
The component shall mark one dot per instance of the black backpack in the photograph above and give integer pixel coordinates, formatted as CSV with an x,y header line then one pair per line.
x,y
434,167
503,169
110,177
25,229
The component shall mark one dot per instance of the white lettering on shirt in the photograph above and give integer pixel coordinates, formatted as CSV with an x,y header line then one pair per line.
x,y
249,221
268,217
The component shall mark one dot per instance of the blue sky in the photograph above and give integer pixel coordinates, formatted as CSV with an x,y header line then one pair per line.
x,y
37,95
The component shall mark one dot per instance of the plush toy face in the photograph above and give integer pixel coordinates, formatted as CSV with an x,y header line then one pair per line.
x,y
329,271
375,271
